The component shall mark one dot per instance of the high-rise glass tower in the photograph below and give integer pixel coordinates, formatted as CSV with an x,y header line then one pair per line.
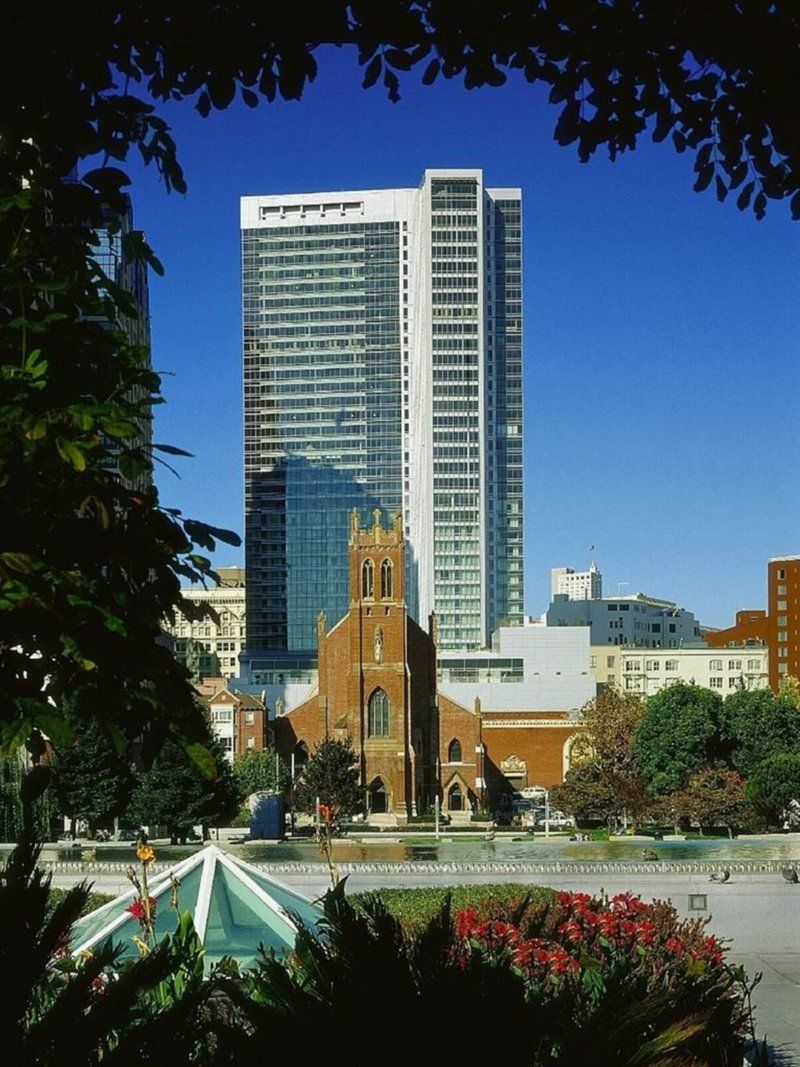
x,y
383,369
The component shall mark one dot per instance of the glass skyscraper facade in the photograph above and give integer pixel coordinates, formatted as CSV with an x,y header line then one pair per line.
x,y
382,369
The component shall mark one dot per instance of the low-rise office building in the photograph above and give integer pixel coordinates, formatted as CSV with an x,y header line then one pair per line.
x,y
724,670
630,620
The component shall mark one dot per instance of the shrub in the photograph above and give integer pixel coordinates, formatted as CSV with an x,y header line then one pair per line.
x,y
566,979
417,907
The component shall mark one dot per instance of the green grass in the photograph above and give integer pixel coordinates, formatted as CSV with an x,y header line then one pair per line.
x,y
414,907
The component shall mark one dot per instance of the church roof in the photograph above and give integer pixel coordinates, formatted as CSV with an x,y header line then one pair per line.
x,y
235,907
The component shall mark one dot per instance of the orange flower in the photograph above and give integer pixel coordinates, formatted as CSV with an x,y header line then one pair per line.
x,y
145,854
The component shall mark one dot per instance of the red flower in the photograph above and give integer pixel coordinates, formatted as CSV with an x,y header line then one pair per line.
x,y
676,946
328,812
646,932
465,921
137,909
572,930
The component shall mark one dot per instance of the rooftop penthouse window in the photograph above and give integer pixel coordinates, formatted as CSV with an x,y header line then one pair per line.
x,y
293,211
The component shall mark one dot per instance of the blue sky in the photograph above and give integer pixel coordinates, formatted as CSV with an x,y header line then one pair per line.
x,y
661,328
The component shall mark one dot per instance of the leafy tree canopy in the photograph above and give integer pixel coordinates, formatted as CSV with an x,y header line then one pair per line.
x,y
775,783
257,771
761,725
610,724
586,794
172,792
92,781
331,774
715,796
682,730
719,78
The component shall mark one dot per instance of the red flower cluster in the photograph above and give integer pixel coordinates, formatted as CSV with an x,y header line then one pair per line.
x,y
620,922
710,950
328,812
502,939
137,909
623,927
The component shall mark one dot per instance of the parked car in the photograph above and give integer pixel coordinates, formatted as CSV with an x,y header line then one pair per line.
x,y
534,792
558,821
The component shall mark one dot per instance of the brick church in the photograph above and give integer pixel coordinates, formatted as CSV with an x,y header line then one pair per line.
x,y
378,685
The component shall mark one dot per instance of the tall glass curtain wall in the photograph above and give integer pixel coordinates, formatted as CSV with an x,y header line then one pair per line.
x,y
455,357
322,414
504,404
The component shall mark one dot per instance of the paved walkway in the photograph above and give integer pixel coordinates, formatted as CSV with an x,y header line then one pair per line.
x,y
758,913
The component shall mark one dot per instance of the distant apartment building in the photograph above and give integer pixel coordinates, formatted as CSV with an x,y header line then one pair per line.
x,y
576,585
724,670
238,719
633,619
778,626
209,638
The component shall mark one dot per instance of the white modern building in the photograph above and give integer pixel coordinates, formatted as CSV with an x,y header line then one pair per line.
x,y
529,668
723,669
209,639
632,619
576,585
382,370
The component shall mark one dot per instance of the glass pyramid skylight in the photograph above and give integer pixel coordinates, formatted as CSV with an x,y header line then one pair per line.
x,y
235,908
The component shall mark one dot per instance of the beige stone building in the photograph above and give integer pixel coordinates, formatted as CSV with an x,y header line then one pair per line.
x,y
208,639
648,670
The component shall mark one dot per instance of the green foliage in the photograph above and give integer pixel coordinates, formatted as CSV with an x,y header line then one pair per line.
x,y
761,725
174,793
256,771
683,729
331,774
40,811
62,1011
775,783
415,908
92,781
92,902
586,794
713,82
603,757
636,985
715,796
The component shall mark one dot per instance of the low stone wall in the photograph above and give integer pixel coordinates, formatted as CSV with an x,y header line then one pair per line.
x,y
429,867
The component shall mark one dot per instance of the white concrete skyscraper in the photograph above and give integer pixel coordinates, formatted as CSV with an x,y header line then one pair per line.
x,y
383,369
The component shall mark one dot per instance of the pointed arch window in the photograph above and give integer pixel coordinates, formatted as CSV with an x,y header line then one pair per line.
x,y
386,579
368,579
454,751
378,714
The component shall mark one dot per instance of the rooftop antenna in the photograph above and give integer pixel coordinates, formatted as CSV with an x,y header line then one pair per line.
x,y
619,587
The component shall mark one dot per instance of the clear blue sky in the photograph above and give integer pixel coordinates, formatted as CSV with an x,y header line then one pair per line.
x,y
661,328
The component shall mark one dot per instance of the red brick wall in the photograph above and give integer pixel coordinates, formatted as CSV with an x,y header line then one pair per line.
x,y
790,568
750,625
541,747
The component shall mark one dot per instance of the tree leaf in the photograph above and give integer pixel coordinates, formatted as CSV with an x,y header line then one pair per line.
x,y
17,561
201,758
373,71
172,450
